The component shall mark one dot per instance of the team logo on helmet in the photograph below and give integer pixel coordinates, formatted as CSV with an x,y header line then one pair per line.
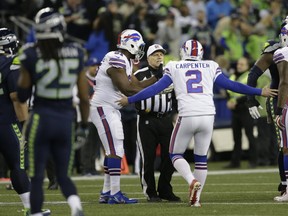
x,y
135,37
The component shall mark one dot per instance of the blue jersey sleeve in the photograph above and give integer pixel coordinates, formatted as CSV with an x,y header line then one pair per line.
x,y
152,90
226,83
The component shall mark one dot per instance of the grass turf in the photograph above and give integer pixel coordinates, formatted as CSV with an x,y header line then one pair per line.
x,y
227,192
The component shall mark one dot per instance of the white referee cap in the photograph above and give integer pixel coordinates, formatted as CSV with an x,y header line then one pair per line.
x,y
155,47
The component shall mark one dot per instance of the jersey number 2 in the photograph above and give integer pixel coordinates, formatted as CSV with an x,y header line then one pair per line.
x,y
193,84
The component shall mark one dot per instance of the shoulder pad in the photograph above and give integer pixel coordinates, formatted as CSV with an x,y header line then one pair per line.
x,y
270,46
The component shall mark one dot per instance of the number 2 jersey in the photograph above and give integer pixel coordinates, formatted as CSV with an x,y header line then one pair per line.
x,y
193,85
106,93
53,81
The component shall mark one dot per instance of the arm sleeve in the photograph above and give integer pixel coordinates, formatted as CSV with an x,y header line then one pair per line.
x,y
226,83
152,90
253,76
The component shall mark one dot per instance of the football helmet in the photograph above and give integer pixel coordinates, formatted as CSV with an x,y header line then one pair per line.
x,y
49,25
9,43
284,36
132,41
191,49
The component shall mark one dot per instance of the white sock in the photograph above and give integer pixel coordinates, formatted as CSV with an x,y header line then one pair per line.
x,y
201,176
74,203
37,214
106,184
183,168
25,198
115,184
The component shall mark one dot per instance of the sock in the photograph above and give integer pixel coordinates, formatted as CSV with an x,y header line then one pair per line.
x,y
25,198
37,214
106,184
183,168
74,203
281,166
285,157
200,171
114,167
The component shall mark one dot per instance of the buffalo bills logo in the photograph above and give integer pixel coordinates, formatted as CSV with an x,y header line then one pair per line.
x,y
135,37
284,31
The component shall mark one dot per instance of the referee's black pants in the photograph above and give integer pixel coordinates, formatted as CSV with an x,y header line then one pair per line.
x,y
151,132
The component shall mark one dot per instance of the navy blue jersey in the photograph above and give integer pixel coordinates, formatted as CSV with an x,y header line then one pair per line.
x,y
53,87
9,73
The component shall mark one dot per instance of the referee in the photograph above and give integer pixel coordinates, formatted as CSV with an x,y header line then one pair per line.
x,y
154,126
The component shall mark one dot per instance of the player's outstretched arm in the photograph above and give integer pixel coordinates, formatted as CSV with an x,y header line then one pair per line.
x,y
147,92
224,82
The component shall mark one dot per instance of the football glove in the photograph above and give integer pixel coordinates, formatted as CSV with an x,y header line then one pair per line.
x,y
253,108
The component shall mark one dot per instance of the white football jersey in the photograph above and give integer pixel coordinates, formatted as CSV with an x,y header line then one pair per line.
x,y
193,84
105,93
280,55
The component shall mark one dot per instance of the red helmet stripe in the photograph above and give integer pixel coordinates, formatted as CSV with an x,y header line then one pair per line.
x,y
194,48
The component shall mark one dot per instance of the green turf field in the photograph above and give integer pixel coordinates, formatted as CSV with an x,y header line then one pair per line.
x,y
227,192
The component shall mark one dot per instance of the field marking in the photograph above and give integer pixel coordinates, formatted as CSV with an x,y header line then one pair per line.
x,y
147,203
133,176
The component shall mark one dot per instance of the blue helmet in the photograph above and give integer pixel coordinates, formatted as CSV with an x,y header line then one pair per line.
x,y
9,43
49,25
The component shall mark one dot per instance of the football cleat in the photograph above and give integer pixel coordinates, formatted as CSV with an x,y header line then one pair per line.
x,y
104,197
78,213
283,198
45,212
196,204
282,188
193,189
120,198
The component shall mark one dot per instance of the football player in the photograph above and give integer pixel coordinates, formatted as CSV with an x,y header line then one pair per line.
x,y
115,77
53,67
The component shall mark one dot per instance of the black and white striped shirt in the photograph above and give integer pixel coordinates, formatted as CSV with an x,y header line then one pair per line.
x,y
160,103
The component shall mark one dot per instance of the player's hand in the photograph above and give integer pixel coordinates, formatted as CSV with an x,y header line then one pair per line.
x,y
279,122
81,136
267,92
254,113
123,101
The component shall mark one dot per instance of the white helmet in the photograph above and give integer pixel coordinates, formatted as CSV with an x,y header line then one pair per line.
x,y
191,49
132,41
284,36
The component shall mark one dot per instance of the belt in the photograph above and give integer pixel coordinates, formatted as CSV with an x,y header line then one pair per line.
x,y
154,114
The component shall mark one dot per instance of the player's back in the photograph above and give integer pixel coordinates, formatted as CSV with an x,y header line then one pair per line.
x,y
8,74
193,84
54,80
106,93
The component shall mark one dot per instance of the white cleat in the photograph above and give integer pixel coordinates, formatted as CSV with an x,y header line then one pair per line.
x,y
193,190
197,204
282,198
